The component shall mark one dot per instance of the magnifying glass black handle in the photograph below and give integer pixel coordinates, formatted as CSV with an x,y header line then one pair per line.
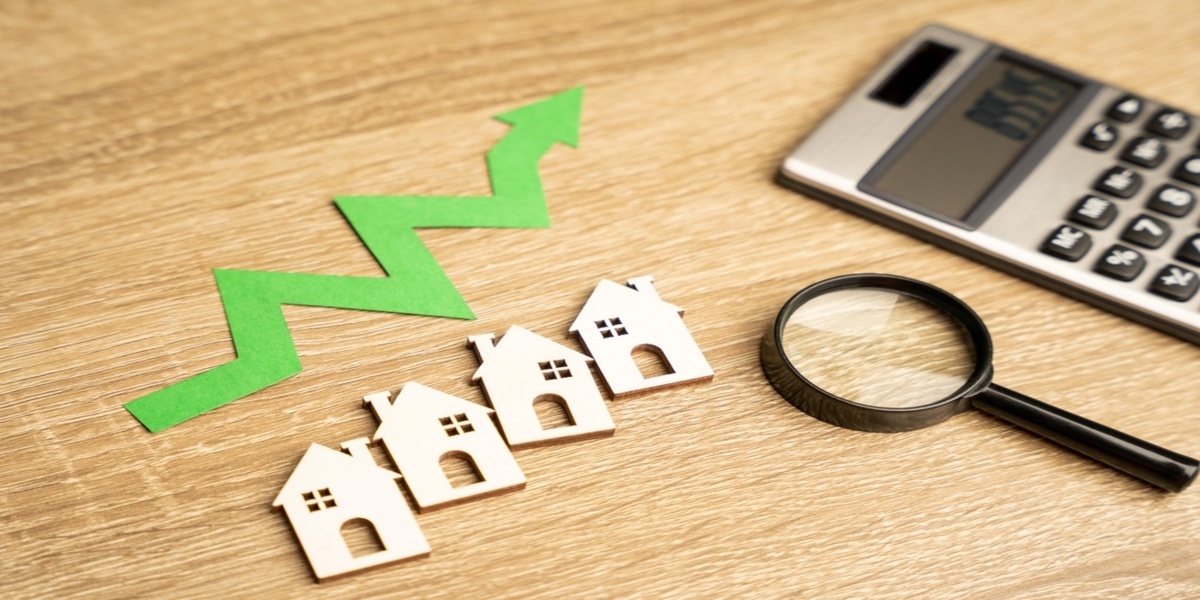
x,y
1159,466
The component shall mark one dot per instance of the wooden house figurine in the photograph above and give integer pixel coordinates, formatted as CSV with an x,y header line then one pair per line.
x,y
624,325
332,495
430,434
524,370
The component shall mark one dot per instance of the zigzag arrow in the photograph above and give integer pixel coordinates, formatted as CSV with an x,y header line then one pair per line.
x,y
415,283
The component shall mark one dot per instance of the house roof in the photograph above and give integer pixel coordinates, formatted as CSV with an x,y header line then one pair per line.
x,y
609,296
318,463
418,400
517,345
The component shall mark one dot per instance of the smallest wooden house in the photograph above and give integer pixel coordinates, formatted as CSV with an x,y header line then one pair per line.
x,y
624,325
331,493
428,434
524,370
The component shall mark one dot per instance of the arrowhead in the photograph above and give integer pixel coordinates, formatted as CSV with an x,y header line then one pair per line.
x,y
555,118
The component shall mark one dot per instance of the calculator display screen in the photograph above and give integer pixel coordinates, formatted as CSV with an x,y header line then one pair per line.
x,y
959,155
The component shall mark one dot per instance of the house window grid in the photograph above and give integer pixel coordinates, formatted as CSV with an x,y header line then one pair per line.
x,y
318,500
554,369
611,327
456,424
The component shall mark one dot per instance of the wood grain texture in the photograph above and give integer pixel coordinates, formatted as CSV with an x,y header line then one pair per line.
x,y
144,144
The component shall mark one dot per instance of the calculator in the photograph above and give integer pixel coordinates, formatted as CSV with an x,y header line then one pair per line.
x,y
1077,185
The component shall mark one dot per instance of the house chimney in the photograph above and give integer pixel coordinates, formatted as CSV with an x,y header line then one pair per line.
x,y
644,285
358,449
380,403
483,345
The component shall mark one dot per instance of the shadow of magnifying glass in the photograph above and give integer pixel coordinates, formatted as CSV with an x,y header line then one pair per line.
x,y
887,353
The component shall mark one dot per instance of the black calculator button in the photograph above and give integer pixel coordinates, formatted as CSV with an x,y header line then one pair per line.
x,y
1188,170
1176,283
1172,200
1121,263
1067,243
1169,123
1093,211
1100,136
1146,231
1120,182
1145,151
1189,252
1126,108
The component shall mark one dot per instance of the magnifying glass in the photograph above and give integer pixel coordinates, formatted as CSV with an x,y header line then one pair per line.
x,y
888,353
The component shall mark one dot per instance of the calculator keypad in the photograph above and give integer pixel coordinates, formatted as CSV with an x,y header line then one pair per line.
x,y
1067,243
1157,241
1121,263
1189,252
1147,232
1188,170
1093,211
1176,283
1120,182
1145,152
1100,136
1169,123
1126,108
1172,200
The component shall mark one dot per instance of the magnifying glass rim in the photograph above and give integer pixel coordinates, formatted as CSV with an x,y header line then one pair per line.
x,y
834,409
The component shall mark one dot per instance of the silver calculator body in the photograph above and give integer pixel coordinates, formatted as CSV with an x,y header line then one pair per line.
x,y
1047,174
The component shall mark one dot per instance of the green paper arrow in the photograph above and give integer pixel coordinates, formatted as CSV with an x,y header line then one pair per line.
x,y
415,283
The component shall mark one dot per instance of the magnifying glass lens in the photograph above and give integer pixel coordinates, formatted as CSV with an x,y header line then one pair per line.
x,y
879,347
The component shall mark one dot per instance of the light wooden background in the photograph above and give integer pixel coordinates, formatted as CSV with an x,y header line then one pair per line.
x,y
144,144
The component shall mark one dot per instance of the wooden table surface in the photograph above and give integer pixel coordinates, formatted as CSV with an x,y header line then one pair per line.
x,y
143,145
